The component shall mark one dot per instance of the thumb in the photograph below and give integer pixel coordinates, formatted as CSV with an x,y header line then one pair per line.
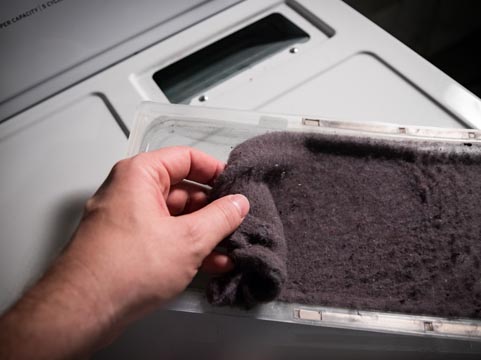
x,y
217,220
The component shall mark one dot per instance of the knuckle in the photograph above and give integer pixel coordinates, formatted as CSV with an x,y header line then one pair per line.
x,y
139,160
93,207
134,162
126,169
90,205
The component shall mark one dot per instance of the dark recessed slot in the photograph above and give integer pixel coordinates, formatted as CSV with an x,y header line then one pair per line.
x,y
201,70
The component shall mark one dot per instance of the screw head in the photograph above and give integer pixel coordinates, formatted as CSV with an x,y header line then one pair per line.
x,y
294,50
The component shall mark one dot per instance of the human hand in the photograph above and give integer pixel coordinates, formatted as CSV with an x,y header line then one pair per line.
x,y
142,239
132,239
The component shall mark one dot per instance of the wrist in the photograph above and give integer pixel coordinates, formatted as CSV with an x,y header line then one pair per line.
x,y
84,294
63,309
96,271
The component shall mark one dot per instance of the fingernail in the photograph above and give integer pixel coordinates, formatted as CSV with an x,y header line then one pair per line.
x,y
241,203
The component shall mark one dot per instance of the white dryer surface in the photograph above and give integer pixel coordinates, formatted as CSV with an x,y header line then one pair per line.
x,y
49,172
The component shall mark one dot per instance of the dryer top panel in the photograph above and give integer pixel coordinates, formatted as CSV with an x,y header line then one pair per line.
x,y
49,45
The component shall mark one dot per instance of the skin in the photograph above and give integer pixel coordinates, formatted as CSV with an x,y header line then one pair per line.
x,y
143,237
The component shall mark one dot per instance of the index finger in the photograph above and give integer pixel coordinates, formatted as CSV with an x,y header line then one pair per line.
x,y
182,162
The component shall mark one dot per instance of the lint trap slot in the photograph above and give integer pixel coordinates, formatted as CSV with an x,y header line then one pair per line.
x,y
192,75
